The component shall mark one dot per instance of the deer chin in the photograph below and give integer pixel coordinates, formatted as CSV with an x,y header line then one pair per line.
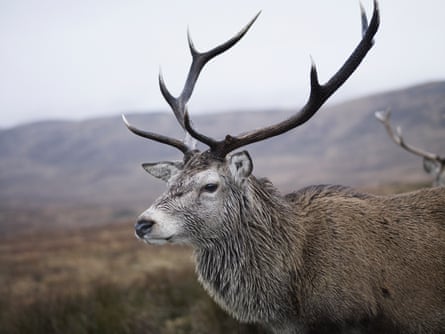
x,y
157,241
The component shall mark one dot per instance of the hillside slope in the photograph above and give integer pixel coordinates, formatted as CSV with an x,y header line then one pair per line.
x,y
97,161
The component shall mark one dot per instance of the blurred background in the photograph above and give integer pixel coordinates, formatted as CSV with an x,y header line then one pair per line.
x,y
71,184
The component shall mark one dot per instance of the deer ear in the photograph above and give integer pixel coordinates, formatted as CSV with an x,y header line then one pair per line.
x,y
432,167
240,165
163,170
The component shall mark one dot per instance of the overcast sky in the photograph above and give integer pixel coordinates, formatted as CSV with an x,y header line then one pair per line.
x,y
80,58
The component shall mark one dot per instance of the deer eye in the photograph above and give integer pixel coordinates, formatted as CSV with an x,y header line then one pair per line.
x,y
210,187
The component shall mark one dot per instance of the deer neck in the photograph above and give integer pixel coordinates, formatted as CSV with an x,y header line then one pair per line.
x,y
251,268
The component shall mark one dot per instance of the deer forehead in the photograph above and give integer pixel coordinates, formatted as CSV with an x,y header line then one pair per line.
x,y
210,175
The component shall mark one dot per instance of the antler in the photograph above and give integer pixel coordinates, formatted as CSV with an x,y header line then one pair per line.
x,y
318,95
396,136
179,104
159,138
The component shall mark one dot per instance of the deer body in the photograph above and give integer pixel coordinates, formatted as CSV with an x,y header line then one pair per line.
x,y
321,259
325,255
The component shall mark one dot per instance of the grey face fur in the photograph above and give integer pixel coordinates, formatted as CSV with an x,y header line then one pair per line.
x,y
199,196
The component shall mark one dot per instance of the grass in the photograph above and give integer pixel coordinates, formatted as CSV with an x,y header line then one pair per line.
x,y
103,281
163,302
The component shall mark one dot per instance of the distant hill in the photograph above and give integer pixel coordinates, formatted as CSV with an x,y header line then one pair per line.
x,y
97,161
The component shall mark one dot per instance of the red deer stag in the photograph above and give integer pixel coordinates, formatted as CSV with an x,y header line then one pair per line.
x,y
433,164
321,258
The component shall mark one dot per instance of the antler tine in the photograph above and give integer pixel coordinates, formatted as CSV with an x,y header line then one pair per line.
x,y
156,137
364,19
318,94
396,136
178,104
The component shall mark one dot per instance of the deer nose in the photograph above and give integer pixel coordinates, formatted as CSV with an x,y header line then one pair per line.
x,y
143,226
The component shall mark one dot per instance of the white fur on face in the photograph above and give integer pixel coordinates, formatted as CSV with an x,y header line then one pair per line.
x,y
164,230
168,220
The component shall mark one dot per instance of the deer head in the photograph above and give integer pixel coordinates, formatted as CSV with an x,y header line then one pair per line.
x,y
205,187
433,164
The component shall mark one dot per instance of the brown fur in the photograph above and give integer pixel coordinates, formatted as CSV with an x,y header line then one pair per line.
x,y
379,255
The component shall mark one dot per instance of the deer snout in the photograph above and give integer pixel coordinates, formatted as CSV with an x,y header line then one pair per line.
x,y
143,227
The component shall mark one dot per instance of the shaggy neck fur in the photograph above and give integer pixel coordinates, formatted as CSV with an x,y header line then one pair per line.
x,y
247,272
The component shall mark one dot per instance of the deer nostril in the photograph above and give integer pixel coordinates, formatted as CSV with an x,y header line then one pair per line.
x,y
143,226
